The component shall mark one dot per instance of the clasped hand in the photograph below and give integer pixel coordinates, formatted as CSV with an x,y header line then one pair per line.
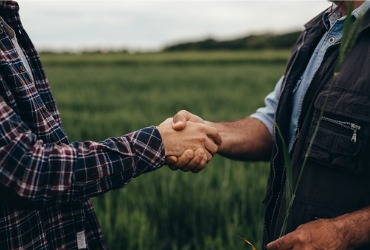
x,y
189,143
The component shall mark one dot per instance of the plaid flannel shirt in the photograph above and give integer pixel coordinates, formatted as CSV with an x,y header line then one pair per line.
x,y
46,180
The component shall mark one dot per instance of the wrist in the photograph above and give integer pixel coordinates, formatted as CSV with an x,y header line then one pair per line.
x,y
349,229
163,133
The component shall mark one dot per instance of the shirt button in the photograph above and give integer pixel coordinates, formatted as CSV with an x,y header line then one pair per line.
x,y
331,40
23,69
1,31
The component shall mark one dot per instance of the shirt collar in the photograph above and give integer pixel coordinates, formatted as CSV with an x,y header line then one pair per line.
x,y
9,5
333,14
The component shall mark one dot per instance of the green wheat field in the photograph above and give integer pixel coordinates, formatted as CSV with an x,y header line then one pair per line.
x,y
106,95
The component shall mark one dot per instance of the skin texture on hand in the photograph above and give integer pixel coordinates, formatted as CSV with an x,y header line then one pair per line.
x,y
245,139
194,161
190,160
183,116
319,234
348,231
196,140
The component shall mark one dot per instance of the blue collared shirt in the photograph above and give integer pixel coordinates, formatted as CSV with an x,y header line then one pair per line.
x,y
332,36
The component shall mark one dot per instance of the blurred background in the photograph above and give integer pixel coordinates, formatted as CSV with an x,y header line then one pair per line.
x,y
117,66
152,24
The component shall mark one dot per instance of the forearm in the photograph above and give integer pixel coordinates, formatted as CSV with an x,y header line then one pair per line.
x,y
37,174
355,227
245,139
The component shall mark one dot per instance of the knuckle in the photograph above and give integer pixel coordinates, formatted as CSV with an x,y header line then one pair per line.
x,y
301,237
183,113
215,149
203,139
202,128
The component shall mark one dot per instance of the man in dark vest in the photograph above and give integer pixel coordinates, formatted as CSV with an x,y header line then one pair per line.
x,y
332,205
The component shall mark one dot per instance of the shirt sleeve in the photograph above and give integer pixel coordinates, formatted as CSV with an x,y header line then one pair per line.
x,y
267,114
36,173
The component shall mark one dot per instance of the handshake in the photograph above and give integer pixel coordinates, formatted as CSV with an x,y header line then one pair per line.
x,y
189,143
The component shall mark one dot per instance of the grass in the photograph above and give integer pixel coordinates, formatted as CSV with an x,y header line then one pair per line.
x,y
220,57
99,97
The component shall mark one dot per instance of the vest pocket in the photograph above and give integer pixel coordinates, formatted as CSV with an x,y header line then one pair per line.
x,y
339,143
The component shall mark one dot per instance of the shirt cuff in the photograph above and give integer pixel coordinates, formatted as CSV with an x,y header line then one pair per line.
x,y
149,149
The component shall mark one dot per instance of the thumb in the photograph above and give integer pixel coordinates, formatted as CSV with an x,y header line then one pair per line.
x,y
180,119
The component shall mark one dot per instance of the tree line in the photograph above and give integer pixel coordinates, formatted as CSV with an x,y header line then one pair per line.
x,y
251,42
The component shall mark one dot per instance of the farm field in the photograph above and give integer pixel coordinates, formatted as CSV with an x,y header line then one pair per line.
x,y
105,95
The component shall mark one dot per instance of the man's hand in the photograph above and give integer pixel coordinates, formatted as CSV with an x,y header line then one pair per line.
x,y
183,116
194,144
322,234
189,160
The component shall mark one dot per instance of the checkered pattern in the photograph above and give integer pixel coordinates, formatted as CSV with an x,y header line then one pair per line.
x,y
46,180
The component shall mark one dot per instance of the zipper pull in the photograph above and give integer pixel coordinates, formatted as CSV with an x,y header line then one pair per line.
x,y
354,128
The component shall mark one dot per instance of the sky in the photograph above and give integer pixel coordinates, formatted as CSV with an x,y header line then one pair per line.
x,y
152,24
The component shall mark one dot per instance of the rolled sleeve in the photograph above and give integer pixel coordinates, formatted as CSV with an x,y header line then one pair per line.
x,y
267,114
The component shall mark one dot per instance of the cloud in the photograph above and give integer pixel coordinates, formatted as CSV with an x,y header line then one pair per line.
x,y
150,24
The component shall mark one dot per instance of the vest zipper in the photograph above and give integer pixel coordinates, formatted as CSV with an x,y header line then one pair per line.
x,y
296,133
348,125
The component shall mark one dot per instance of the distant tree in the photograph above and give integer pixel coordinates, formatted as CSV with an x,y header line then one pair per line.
x,y
251,42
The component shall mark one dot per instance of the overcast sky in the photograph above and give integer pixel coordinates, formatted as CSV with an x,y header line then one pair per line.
x,y
152,24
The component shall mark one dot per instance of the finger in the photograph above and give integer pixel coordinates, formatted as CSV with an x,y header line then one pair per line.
x,y
170,160
183,160
210,146
203,160
198,162
213,140
199,155
214,134
208,156
180,119
280,244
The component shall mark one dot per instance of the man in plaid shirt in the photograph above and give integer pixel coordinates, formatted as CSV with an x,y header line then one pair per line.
x,y
45,179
